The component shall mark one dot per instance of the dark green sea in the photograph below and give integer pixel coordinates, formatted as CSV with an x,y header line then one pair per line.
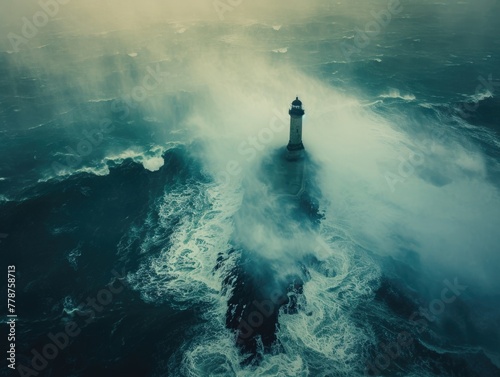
x,y
140,206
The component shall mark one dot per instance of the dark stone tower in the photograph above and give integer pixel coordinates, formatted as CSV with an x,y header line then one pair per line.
x,y
295,146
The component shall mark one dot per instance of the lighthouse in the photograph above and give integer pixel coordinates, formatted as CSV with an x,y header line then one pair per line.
x,y
295,146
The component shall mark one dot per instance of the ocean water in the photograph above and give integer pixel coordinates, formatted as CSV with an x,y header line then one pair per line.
x,y
140,146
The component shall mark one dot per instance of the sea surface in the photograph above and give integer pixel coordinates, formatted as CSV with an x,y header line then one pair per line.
x,y
132,146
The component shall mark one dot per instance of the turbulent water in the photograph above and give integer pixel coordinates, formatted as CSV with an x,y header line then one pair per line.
x,y
140,147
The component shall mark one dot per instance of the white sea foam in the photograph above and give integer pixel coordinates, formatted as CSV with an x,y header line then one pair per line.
x,y
73,256
282,50
99,100
69,305
479,96
99,170
151,159
321,335
395,93
153,163
183,272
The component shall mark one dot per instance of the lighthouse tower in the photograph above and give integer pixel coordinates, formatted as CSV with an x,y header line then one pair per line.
x,y
295,145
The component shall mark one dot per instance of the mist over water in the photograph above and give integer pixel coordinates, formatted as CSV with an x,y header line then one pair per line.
x,y
144,136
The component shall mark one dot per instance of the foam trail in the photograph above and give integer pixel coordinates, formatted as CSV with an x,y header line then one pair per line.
x,y
182,271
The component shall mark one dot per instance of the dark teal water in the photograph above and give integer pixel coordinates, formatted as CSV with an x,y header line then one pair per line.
x,y
141,197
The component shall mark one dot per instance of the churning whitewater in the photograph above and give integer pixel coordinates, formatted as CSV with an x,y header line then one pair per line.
x,y
280,189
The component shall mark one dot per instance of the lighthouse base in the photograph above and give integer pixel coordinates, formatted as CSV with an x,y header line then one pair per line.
x,y
295,151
